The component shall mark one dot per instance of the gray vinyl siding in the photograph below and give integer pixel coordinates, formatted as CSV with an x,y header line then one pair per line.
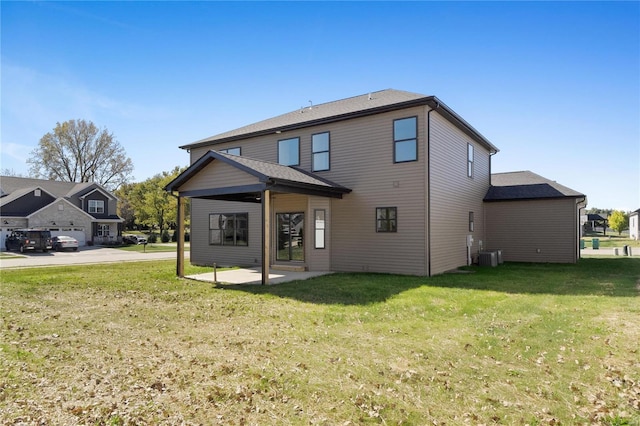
x,y
454,195
204,254
521,228
216,175
318,259
362,159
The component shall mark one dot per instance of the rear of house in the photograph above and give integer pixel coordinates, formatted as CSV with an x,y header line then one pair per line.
x,y
414,175
390,181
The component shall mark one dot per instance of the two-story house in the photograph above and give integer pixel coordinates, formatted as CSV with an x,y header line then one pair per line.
x,y
389,181
85,211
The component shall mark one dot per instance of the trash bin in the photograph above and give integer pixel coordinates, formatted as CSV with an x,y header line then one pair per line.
x,y
581,244
625,250
615,251
595,243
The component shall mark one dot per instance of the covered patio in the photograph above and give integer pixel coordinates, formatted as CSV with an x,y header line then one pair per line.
x,y
227,177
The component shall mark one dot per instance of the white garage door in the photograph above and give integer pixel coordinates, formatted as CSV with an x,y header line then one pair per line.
x,y
78,235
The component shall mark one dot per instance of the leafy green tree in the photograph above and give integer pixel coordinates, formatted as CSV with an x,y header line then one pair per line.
x,y
619,221
153,206
77,151
125,209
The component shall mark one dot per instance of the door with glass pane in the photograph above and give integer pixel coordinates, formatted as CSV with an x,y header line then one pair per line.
x,y
289,236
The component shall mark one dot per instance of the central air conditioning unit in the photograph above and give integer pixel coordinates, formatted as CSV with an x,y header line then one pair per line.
x,y
488,258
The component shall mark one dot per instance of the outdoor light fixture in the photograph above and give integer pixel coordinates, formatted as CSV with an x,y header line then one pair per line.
x,y
53,223
71,223
6,223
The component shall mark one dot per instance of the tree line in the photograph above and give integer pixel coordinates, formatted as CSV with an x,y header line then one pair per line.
x,y
78,151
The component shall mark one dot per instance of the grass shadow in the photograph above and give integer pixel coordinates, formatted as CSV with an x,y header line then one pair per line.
x,y
616,277
338,288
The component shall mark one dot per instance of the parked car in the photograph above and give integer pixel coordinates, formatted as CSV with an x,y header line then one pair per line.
x,y
134,239
62,242
28,239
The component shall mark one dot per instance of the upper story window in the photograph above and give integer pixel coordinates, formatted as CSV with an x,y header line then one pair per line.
x,y
405,140
470,160
232,151
96,206
320,151
289,152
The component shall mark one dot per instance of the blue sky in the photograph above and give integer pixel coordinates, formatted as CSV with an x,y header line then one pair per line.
x,y
554,85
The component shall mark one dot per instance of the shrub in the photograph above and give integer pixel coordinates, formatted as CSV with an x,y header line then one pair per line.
x,y
187,236
174,236
153,238
165,237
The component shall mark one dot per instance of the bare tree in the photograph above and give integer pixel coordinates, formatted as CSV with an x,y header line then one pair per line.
x,y
77,151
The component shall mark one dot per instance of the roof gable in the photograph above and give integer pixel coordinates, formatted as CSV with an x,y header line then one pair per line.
x,y
269,176
53,205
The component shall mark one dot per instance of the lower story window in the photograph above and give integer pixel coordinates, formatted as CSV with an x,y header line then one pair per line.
x,y
386,219
229,229
103,230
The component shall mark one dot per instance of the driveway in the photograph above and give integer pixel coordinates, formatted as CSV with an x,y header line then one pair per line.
x,y
85,255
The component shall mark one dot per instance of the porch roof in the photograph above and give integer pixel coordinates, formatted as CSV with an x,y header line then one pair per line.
x,y
270,176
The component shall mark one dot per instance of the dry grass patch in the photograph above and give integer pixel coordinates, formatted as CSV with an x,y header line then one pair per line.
x,y
131,344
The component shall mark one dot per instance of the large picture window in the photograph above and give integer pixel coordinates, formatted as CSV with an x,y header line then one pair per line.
x,y
229,229
320,151
405,140
386,219
96,206
289,152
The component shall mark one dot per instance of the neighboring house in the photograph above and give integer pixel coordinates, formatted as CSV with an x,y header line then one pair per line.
x,y
85,211
389,182
595,221
531,218
634,225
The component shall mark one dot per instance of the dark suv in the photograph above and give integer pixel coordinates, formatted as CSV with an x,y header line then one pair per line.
x,y
28,239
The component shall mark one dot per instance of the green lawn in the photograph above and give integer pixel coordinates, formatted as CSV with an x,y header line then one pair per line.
x,y
612,241
131,344
155,247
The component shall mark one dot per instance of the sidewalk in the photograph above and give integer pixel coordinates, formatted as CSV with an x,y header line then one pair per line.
x,y
609,251
84,256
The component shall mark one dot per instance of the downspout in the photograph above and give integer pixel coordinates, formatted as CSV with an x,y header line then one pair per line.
x,y
428,198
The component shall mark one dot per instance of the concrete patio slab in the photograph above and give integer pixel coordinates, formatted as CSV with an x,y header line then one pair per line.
x,y
254,276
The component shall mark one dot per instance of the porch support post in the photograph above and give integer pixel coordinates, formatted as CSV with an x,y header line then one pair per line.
x,y
180,239
266,233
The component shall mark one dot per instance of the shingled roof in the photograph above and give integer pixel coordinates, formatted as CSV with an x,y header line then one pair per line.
x,y
526,185
344,109
58,189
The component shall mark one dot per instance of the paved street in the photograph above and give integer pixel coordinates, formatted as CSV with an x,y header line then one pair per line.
x,y
86,255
